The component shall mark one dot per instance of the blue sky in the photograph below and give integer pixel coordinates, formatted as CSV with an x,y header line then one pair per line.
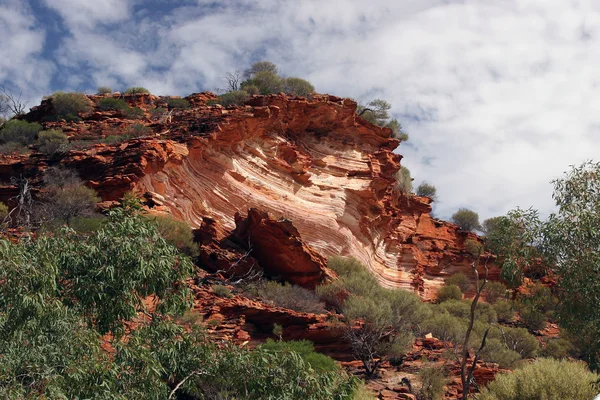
x,y
498,96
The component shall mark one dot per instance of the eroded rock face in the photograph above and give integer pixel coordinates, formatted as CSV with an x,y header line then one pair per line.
x,y
312,162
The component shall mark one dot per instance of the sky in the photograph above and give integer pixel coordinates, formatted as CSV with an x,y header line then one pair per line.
x,y
499,97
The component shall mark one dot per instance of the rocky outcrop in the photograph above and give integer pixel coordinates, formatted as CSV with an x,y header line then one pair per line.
x,y
313,162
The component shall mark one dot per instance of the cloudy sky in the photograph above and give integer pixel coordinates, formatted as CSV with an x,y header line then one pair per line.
x,y
499,96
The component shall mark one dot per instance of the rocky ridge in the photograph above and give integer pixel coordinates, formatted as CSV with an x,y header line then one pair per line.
x,y
311,162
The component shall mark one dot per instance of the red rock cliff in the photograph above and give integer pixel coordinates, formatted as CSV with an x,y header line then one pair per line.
x,y
313,162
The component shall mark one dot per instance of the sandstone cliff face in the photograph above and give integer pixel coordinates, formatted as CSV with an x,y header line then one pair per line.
x,y
312,162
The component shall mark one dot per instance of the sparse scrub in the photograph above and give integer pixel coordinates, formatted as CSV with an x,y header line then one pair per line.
x,y
533,319
403,181
177,233
175,103
496,351
459,279
466,219
542,380
102,90
68,105
138,130
504,311
433,382
557,348
221,291
298,87
3,211
136,90
52,142
234,98
494,291
21,132
112,104
13,148
267,82
291,297
450,292
427,189
134,113
305,349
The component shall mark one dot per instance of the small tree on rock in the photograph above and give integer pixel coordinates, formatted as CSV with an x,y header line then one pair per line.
x,y
466,219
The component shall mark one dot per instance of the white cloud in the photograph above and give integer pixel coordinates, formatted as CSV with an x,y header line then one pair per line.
x,y
499,96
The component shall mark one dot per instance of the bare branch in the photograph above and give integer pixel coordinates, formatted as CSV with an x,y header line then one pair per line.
x,y
10,102
233,80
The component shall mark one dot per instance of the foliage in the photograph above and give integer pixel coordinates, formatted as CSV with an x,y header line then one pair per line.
x,y
13,148
104,90
433,381
3,211
466,219
449,292
533,319
557,348
291,296
362,393
305,349
266,82
138,130
504,311
491,225
515,238
544,379
377,113
495,350
177,233
516,339
484,312
134,113
110,103
221,291
459,279
403,181
494,291
388,317
445,327
175,103
298,87
70,104
235,98
66,197
427,189
136,90
17,131
261,66
52,142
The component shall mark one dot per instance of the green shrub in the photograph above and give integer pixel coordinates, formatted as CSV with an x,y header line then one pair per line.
x,y
104,90
221,291
252,90
178,103
504,311
544,379
52,141
403,181
484,312
362,393
459,279
177,233
496,351
112,104
138,130
18,131
3,211
136,90
473,247
557,348
267,82
305,349
88,224
450,292
13,148
445,327
68,105
533,319
466,219
134,113
298,87
494,291
433,382
291,297
516,339
234,98
428,190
